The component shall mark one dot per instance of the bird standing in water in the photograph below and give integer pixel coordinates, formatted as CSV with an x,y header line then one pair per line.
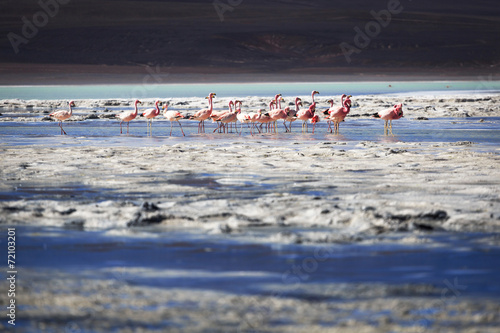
x,y
389,115
63,115
127,116
337,115
173,116
149,114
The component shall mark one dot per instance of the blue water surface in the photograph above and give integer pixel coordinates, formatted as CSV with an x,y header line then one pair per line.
x,y
130,91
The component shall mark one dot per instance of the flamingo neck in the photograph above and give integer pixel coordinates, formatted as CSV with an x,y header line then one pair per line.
x,y
70,109
277,100
210,103
135,111
296,105
347,108
230,107
312,96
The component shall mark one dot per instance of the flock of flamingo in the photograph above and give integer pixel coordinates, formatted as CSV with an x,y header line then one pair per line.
x,y
260,120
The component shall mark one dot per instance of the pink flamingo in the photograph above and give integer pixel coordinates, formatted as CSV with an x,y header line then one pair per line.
x,y
127,116
242,118
228,117
337,115
305,115
63,115
264,118
204,114
314,120
149,114
331,109
314,93
254,118
216,115
326,112
389,115
278,113
173,116
291,114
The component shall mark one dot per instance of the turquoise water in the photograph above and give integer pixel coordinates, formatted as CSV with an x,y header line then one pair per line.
x,y
240,89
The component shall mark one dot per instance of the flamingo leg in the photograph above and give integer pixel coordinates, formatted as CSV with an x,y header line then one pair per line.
x,y
284,124
171,128
128,123
181,128
121,127
62,130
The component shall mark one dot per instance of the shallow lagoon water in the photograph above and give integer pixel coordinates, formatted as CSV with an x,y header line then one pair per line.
x,y
484,131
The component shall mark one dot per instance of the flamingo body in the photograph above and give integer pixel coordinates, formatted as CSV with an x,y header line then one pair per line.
x,y
173,116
